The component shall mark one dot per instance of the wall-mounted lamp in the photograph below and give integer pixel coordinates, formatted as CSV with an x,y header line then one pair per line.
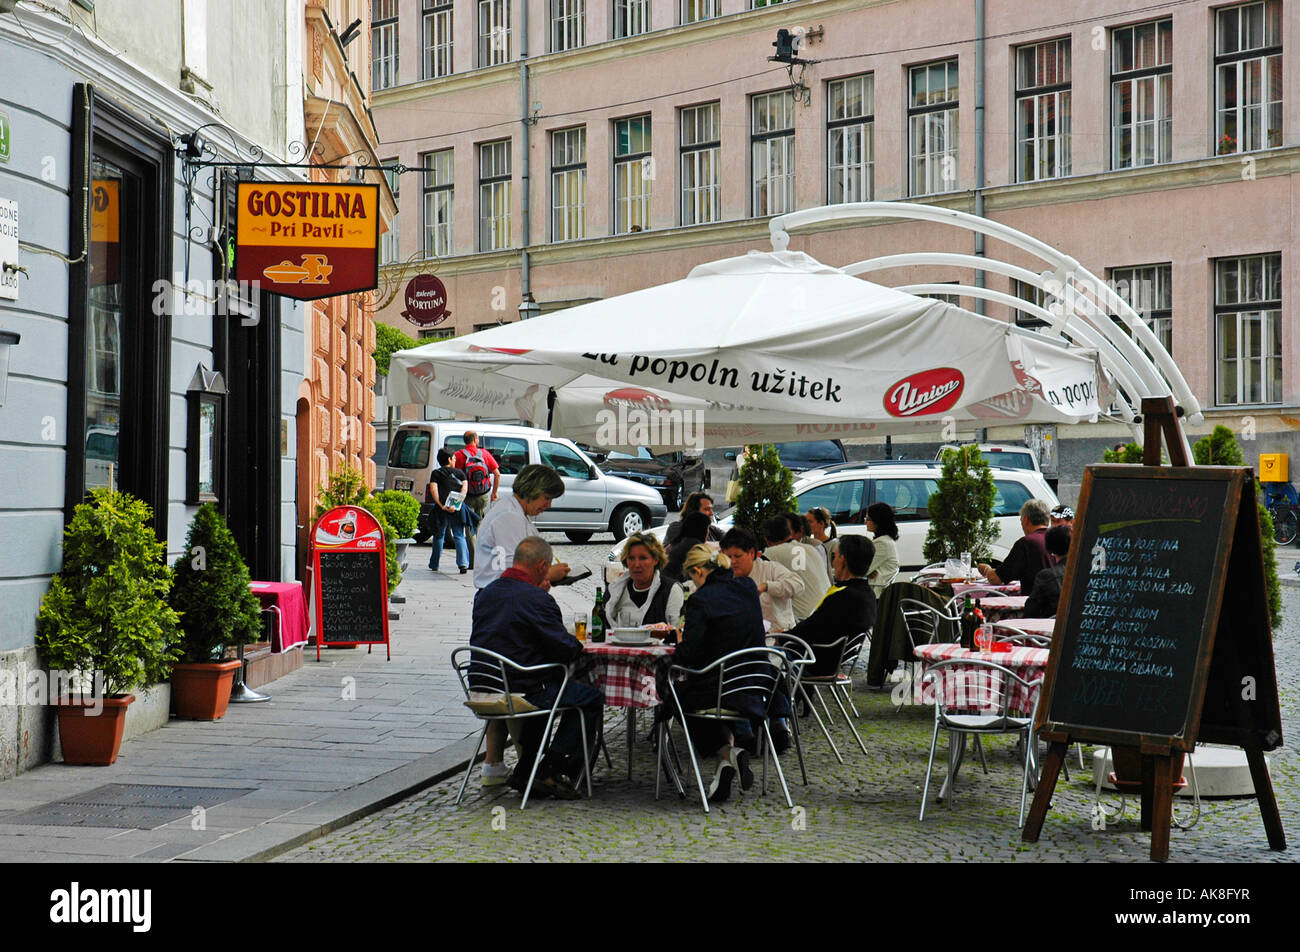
x,y
529,307
8,339
350,34
192,145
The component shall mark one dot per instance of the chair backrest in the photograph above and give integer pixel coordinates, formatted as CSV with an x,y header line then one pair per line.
x,y
747,671
799,655
485,671
852,651
954,605
1010,634
924,623
970,685
883,584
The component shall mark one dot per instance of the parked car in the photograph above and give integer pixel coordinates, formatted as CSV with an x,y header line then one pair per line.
x,y
907,485
673,475
1005,455
592,501
805,454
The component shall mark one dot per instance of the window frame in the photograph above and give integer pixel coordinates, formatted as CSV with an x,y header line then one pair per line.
x,y
686,9
867,143
431,12
631,12
645,160
1158,314
490,185
1269,314
945,108
384,35
390,243
433,192
1036,95
1161,93
566,24
1238,58
764,142
578,170
697,153
488,52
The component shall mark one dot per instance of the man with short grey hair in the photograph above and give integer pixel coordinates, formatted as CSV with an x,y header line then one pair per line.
x,y
1029,555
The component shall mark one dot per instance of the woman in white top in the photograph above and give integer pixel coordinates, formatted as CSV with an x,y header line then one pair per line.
x,y
643,596
884,533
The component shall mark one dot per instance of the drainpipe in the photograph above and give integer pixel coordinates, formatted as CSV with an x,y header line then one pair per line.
x,y
525,283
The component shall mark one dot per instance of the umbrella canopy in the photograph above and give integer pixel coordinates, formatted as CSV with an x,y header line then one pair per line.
x,y
766,347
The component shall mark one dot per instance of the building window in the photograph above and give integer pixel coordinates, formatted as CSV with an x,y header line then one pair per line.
x,y
493,32
693,11
568,24
701,146
389,246
633,175
772,153
383,44
568,183
436,333
1248,329
439,193
494,195
1141,94
1147,290
1031,294
437,38
631,18
759,4
932,128
1248,77
1043,110
850,146
487,327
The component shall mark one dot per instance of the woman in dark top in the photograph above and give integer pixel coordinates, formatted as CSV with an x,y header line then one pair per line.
x,y
695,531
723,615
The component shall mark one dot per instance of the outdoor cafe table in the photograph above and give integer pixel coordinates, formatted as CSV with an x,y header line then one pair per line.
x,y
1032,626
288,598
1028,663
997,608
1006,588
625,674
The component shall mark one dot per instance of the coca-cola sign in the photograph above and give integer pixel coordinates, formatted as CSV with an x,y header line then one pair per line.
x,y
924,393
426,301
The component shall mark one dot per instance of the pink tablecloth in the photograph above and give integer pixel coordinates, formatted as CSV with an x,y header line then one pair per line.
x,y
624,674
1033,626
294,623
1010,588
979,687
1009,606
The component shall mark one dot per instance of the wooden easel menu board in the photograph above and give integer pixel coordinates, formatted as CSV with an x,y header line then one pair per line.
x,y
1163,636
351,579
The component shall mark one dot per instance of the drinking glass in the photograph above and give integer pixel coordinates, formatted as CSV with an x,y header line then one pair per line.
x,y
580,626
965,561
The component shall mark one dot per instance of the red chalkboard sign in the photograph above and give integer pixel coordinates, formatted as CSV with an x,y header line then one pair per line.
x,y
350,570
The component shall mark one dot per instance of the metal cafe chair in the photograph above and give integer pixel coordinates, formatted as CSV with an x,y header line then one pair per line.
x,y
800,655
1006,632
837,682
747,671
954,605
925,625
987,712
485,678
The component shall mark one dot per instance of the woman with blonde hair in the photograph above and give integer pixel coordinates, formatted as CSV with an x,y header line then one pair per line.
x,y
644,596
723,615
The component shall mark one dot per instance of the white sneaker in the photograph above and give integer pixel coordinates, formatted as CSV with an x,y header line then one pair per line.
x,y
494,775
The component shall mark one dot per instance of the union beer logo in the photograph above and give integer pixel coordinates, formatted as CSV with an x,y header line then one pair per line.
x,y
925,393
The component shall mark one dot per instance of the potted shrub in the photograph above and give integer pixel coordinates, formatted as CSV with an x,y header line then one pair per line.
x,y
218,610
106,617
961,509
400,510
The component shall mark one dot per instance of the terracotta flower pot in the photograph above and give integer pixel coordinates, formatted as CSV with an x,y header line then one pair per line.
x,y
91,734
201,692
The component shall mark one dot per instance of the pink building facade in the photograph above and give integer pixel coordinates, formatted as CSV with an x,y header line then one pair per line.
x,y
1159,149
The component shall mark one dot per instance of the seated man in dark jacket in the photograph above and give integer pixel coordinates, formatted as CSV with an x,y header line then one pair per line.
x,y
1046,594
1029,555
847,609
516,616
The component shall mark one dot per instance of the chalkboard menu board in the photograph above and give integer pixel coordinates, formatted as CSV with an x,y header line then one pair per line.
x,y
352,597
1148,556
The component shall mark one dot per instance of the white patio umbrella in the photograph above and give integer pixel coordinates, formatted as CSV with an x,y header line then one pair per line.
x,y
765,347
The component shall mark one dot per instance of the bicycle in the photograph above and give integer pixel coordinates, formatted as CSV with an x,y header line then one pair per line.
x,y
1284,507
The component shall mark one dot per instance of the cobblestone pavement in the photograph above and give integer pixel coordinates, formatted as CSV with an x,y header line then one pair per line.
x,y
863,810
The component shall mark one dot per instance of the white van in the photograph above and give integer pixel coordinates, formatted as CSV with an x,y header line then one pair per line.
x,y
592,501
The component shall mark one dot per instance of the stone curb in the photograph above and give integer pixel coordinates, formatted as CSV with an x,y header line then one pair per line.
x,y
311,822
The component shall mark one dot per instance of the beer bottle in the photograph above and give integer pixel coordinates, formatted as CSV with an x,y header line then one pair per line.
x,y
597,630
968,625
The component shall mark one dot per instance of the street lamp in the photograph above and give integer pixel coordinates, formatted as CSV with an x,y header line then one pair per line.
x,y
529,307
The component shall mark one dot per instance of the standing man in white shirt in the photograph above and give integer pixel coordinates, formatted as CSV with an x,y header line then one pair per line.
x,y
506,524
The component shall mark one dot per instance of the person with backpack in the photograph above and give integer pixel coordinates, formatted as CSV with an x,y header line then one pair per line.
x,y
443,482
481,473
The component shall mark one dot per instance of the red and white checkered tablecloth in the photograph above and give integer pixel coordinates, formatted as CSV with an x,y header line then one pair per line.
x,y
996,609
1009,588
624,674
1033,626
977,687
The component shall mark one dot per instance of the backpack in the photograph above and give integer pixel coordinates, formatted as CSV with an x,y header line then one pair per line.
x,y
476,473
